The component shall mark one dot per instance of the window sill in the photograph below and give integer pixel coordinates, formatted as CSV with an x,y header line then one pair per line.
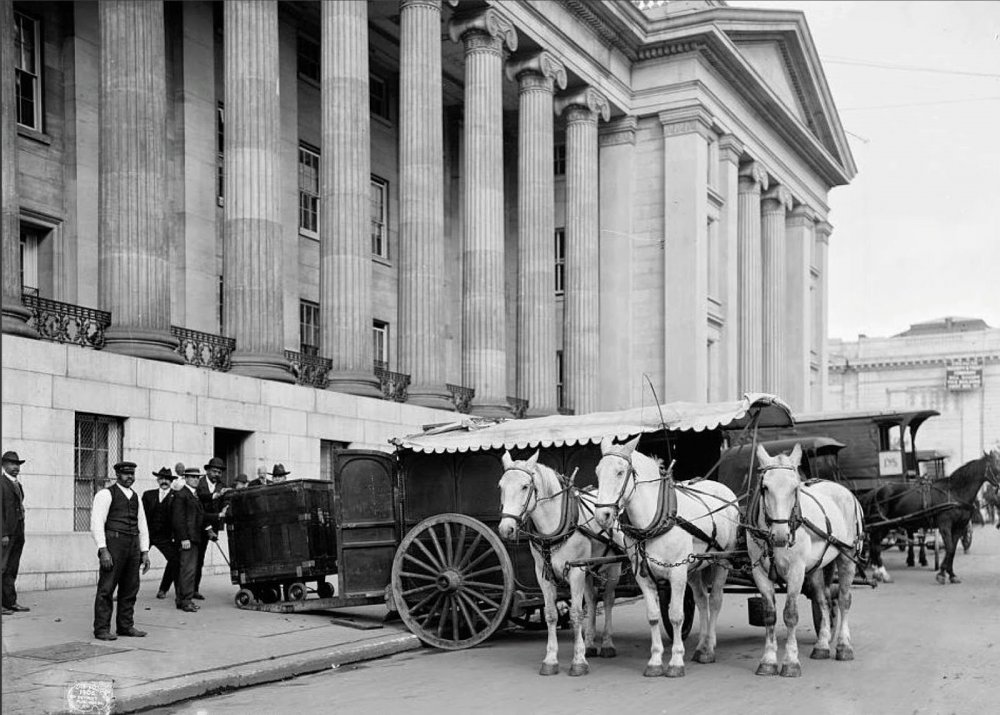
x,y
309,235
34,135
384,121
381,260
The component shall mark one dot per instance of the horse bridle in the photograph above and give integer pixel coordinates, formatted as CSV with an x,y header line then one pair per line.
x,y
794,520
532,494
616,505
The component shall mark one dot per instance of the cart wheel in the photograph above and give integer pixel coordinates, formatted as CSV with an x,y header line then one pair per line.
x,y
296,591
269,594
244,597
452,581
688,613
324,589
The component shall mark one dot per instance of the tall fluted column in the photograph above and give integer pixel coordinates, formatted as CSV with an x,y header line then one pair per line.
x,y
15,315
252,255
484,355
799,304
775,203
730,151
536,329
581,346
421,205
753,179
133,250
820,325
345,264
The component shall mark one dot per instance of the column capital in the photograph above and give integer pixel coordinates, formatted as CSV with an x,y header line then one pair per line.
x,y
588,99
752,174
486,22
823,230
730,149
540,65
802,214
618,131
431,4
694,119
780,195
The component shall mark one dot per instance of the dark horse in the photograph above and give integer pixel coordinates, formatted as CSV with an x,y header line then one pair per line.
x,y
943,504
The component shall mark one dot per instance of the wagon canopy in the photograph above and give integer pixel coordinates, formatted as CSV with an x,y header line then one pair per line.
x,y
471,434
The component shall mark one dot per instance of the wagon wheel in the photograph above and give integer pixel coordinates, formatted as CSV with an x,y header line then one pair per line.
x,y
269,593
452,581
296,591
688,613
244,597
324,589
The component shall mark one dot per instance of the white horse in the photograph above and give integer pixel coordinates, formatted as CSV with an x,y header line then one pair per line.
x,y
563,531
665,543
799,532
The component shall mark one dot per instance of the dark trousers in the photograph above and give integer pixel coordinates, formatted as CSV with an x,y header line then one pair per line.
x,y
187,568
11,563
202,548
171,554
124,576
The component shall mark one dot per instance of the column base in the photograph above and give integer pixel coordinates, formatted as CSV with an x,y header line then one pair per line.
x,y
540,412
266,366
435,396
489,408
362,384
142,343
15,320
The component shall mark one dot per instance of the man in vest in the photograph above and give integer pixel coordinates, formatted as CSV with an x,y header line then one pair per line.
x,y
12,524
156,504
118,525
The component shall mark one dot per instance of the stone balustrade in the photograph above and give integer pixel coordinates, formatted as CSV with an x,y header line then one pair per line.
x,y
461,397
394,384
204,349
65,322
310,369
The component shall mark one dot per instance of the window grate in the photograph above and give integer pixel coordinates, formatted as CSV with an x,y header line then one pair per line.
x,y
98,447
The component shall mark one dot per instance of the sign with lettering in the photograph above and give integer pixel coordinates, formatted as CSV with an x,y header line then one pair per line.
x,y
960,379
890,464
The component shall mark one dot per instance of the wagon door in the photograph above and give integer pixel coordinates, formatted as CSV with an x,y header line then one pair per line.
x,y
367,512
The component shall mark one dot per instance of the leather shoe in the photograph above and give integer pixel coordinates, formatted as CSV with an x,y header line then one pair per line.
x,y
190,608
18,608
7,611
105,636
131,632
161,594
197,596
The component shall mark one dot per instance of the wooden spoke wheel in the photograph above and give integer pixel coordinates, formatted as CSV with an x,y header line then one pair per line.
x,y
452,581
688,613
244,597
296,591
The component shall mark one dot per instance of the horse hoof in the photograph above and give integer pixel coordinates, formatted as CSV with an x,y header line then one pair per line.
x,y
845,653
608,652
703,657
549,669
791,670
653,671
675,671
591,651
955,579
820,654
940,578
579,669
767,669
909,564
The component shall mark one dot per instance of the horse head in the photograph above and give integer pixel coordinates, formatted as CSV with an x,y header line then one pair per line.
x,y
518,492
993,466
779,494
614,473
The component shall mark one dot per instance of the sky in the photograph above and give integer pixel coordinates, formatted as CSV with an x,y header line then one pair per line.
x,y
917,232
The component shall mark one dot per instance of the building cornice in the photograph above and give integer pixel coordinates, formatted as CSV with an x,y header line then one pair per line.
x,y
908,363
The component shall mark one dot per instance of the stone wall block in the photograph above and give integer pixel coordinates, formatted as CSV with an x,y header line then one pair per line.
x,y
234,387
181,378
46,424
293,397
11,422
35,355
102,366
27,388
44,458
104,399
337,403
288,421
171,406
231,415
148,434
333,427
191,439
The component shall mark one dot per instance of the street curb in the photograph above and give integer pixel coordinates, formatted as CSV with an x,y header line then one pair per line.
x,y
173,690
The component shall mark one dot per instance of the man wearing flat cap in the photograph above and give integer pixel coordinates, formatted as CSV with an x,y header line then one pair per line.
x,y
12,498
156,503
210,491
118,525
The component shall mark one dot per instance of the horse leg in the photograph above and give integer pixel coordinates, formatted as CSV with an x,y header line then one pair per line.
x,y
700,591
879,572
950,546
550,666
821,597
922,541
654,668
716,577
769,660
607,643
910,535
790,666
579,590
845,575
590,625
678,576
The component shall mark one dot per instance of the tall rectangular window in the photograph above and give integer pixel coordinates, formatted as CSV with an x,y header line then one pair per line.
x,y
712,262
560,250
27,71
308,59
220,145
378,97
221,303
559,379
30,240
97,447
379,217
308,327
308,191
559,160
380,344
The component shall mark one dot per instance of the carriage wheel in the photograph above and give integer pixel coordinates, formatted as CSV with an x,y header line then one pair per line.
x,y
324,589
688,613
269,593
244,597
452,581
296,591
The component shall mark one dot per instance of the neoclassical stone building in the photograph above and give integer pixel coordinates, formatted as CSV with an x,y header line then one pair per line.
x,y
288,226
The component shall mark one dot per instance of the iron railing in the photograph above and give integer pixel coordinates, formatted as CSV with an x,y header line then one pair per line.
x,y
65,322
310,369
518,406
461,397
394,384
204,349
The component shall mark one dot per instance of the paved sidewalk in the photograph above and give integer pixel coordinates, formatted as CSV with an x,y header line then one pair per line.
x,y
51,660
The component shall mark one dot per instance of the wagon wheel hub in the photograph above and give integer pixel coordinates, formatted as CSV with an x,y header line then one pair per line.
x,y
449,581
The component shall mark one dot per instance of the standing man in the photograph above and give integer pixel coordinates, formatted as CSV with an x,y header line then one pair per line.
x,y
12,496
188,518
279,473
263,478
118,524
156,504
210,491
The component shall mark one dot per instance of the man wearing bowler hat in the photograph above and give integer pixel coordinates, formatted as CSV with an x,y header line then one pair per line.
x,y
118,525
210,491
12,498
187,517
156,504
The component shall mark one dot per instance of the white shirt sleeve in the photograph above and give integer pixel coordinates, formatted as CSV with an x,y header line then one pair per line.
x,y
143,528
99,515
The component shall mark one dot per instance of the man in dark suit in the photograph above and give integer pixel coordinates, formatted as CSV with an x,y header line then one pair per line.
x,y
188,520
156,503
12,497
210,491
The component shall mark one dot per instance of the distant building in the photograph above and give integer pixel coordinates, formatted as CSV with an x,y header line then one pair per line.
x,y
951,365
